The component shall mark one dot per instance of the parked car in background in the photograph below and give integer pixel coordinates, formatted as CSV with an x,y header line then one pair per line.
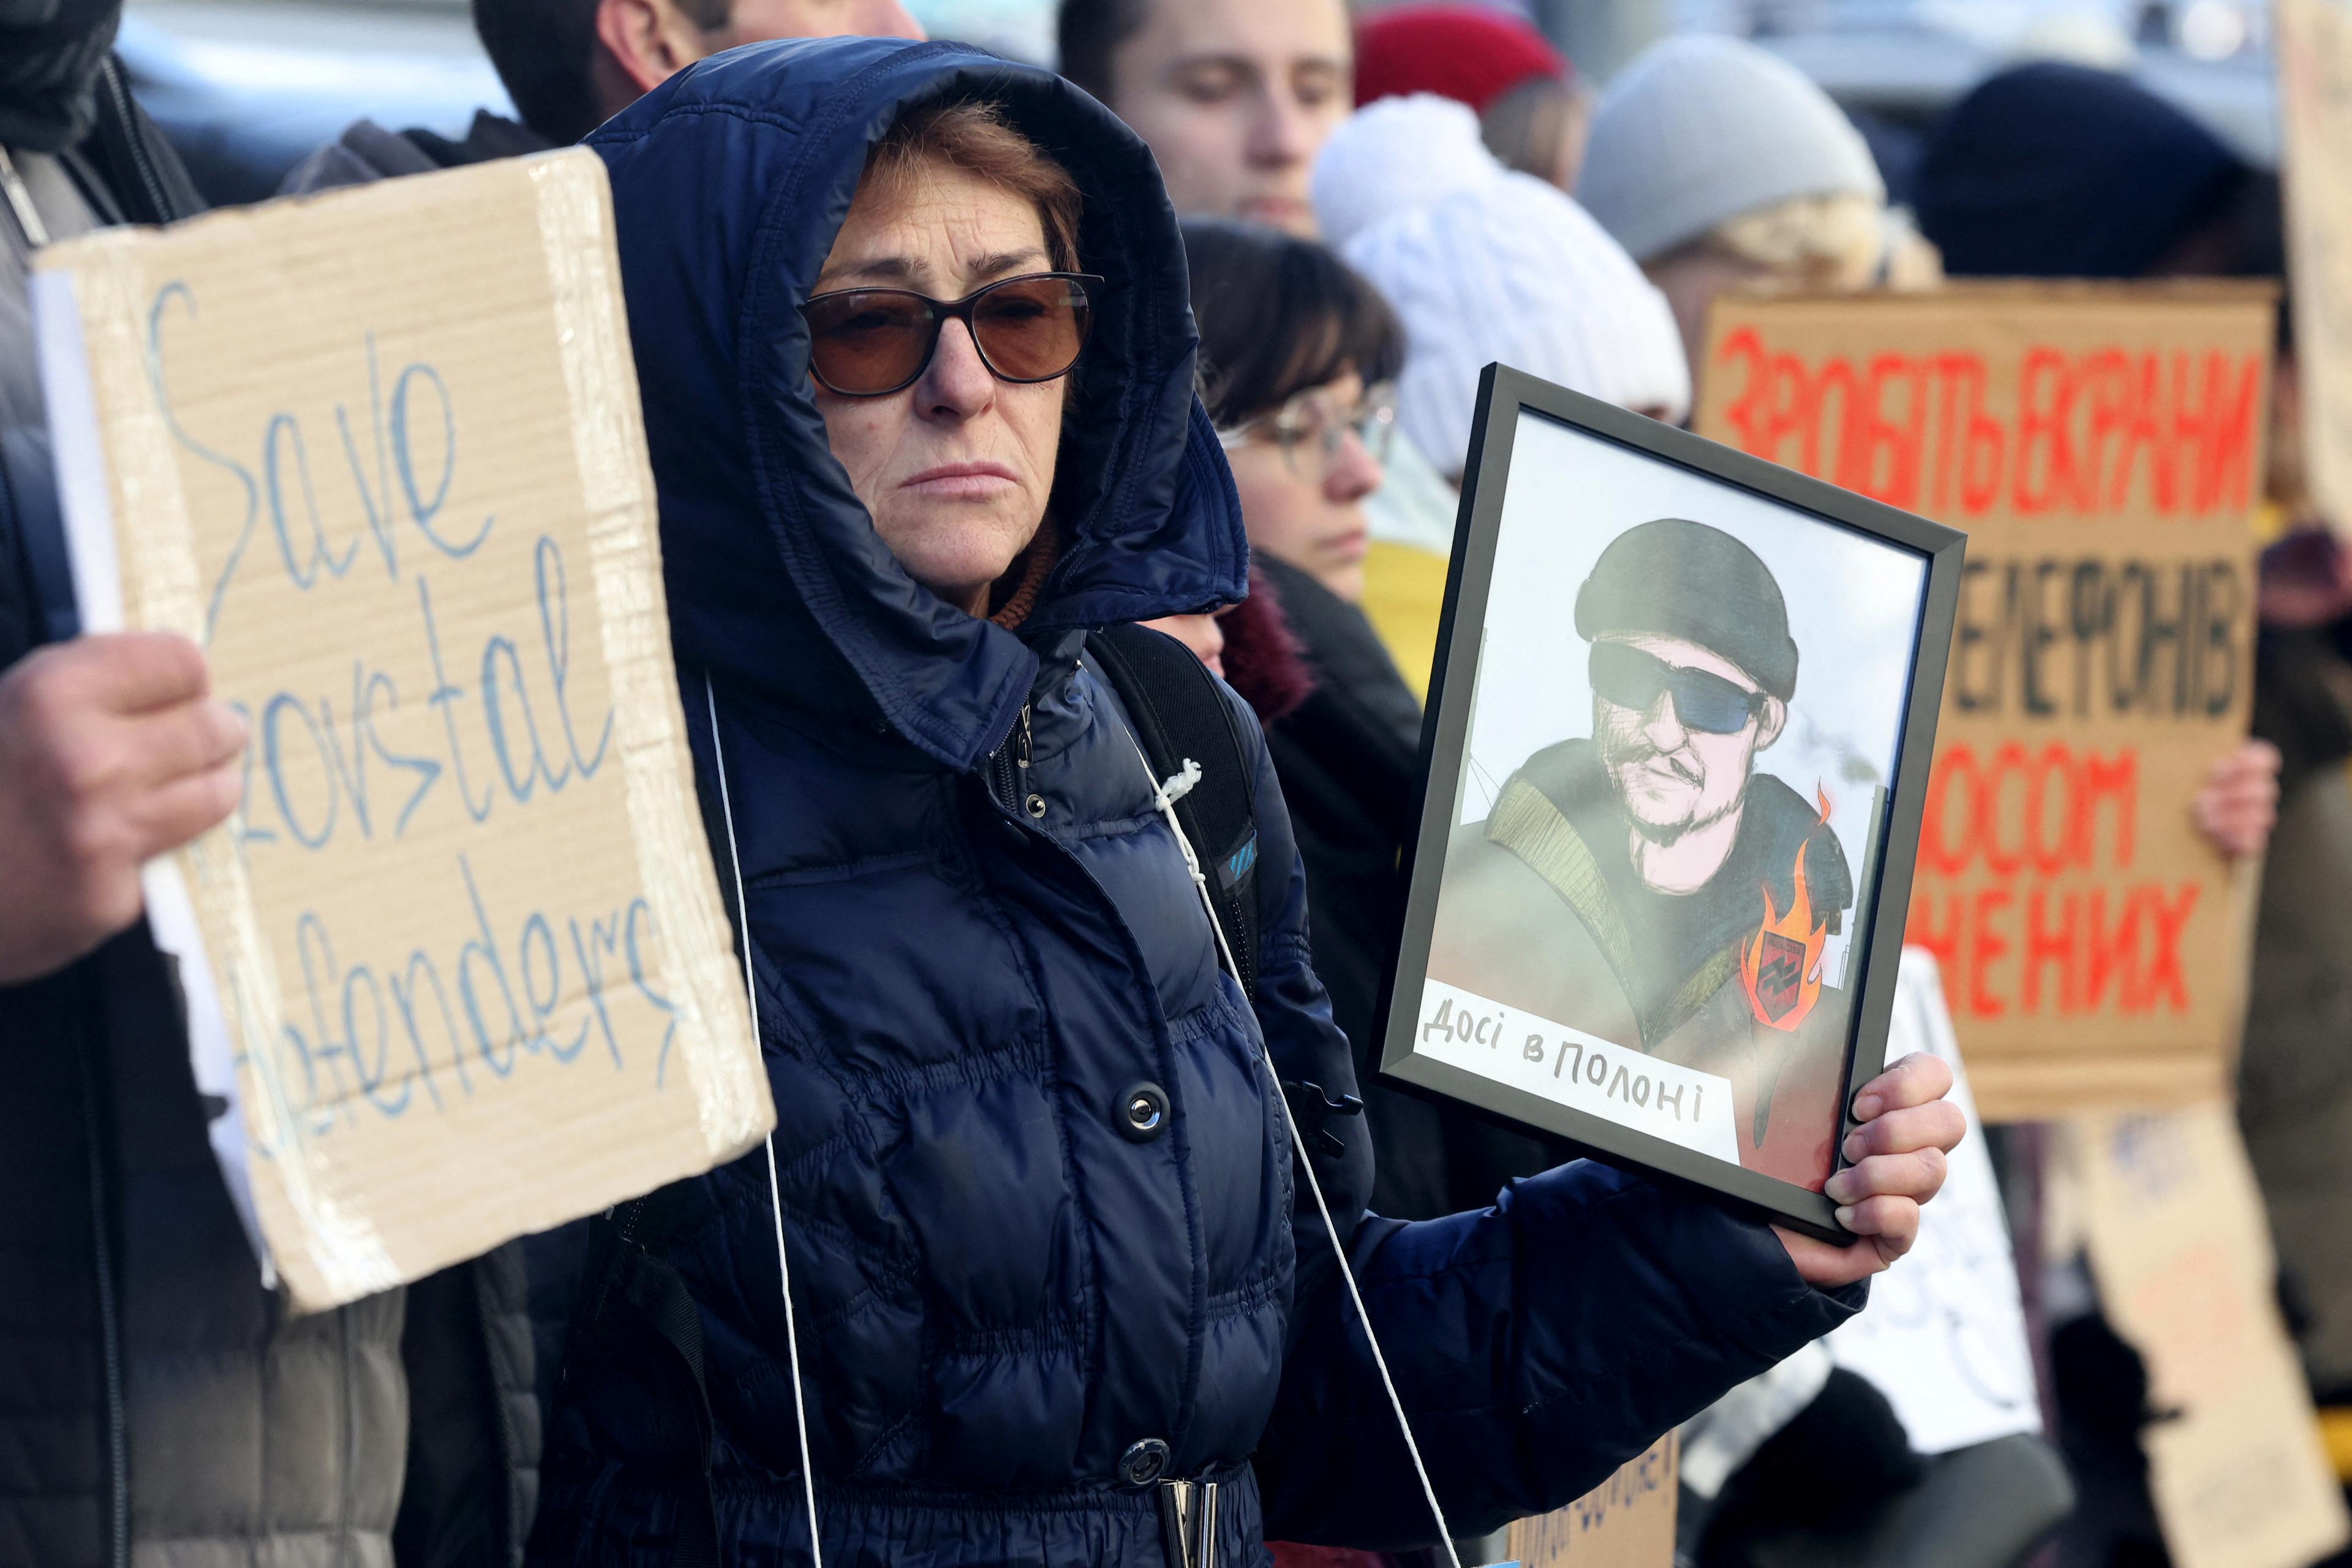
x,y
245,89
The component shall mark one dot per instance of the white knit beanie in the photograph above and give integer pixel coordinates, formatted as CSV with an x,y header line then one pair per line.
x,y
1483,264
1395,155
1699,127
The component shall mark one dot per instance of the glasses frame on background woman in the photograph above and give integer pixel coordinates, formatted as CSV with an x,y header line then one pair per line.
x,y
1314,416
872,343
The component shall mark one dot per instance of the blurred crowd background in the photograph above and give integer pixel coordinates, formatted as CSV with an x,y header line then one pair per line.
x,y
247,87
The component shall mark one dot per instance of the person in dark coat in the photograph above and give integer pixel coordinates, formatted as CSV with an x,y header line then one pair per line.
x,y
1031,1171
157,1401
1295,347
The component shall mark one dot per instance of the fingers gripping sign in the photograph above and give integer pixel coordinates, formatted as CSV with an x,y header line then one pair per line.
x,y
111,751
1896,1163
2237,806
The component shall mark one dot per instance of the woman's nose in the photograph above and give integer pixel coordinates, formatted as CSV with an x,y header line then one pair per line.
x,y
1353,472
956,384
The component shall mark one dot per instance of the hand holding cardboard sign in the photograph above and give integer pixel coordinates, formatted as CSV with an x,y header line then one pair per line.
x,y
111,751
1907,1128
2237,806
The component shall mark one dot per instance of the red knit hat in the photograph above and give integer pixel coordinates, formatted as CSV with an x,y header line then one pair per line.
x,y
1467,53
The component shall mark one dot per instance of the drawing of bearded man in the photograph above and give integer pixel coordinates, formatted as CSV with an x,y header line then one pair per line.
x,y
1649,885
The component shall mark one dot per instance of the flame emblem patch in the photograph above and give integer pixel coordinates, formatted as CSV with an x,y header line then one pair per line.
x,y
1781,963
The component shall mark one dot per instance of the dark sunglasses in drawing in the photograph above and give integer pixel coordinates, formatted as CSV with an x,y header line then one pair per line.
x,y
1703,701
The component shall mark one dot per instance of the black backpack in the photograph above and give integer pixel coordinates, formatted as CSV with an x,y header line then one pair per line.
x,y
633,1313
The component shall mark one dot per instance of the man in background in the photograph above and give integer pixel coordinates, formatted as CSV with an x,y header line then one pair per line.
x,y
1233,97
571,65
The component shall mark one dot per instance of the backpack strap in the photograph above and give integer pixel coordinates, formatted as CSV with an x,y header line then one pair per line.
x,y
634,1317
1180,714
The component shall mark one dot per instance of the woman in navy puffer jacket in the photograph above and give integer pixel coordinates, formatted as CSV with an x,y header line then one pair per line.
x,y
973,938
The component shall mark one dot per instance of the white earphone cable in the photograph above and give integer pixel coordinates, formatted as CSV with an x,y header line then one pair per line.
x,y
1164,796
775,1193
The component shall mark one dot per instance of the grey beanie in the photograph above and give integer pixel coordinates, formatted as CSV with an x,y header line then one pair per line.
x,y
1698,129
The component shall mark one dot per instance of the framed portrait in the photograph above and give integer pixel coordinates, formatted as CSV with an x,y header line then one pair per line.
x,y
1680,727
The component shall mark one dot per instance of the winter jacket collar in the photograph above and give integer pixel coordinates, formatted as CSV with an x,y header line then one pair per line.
x,y
728,184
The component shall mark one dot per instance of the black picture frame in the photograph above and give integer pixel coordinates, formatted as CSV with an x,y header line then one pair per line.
x,y
1505,396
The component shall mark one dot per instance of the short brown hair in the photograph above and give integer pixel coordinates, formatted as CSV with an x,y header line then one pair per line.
x,y
1279,315
1091,32
544,52
975,137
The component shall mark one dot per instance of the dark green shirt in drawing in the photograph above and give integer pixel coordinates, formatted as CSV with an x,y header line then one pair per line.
x,y
1669,952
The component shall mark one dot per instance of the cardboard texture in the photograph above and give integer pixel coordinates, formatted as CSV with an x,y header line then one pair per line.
x,y
2103,446
471,962
2314,59
1627,1521
2181,1251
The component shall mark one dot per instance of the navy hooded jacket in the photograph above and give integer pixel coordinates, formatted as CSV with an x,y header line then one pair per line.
x,y
999,1292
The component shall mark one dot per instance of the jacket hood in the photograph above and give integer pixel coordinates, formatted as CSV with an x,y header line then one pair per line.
x,y
50,54
730,182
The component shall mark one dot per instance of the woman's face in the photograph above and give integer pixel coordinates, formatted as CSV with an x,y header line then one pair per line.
x,y
1690,278
1303,505
956,470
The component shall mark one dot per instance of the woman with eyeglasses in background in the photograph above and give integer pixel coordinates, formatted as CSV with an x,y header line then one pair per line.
x,y
1297,352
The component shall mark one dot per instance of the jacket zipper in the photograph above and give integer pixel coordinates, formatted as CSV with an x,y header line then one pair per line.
x,y
1011,767
20,203
136,140
110,1327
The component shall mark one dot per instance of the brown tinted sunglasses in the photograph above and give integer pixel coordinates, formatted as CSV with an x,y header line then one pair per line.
x,y
871,342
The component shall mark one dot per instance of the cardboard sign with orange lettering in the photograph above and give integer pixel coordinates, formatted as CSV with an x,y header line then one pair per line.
x,y
2103,445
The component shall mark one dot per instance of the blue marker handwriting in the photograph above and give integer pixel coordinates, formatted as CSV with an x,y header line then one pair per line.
x,y
380,1039
287,484
447,709
321,767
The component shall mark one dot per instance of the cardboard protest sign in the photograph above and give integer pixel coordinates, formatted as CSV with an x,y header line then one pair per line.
x,y
2181,1251
380,454
2315,60
1627,1521
2103,446
1943,1335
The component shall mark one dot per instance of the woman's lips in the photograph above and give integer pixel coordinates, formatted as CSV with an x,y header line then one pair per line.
x,y
963,481
1352,545
1282,212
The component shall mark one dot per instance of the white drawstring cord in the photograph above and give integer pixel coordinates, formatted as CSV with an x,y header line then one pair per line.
x,y
775,1193
1164,796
